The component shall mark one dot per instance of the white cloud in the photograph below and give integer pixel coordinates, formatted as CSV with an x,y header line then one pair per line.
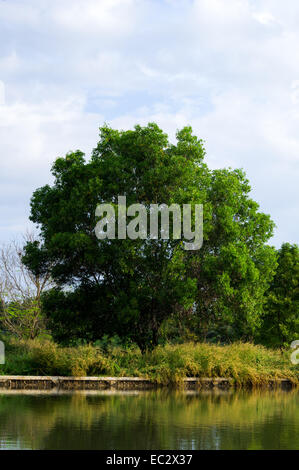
x,y
264,17
230,69
10,62
19,13
104,16
2,93
31,137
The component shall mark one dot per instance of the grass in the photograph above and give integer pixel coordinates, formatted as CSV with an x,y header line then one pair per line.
x,y
245,363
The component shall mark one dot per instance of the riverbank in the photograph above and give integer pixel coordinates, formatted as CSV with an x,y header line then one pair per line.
x,y
238,364
122,383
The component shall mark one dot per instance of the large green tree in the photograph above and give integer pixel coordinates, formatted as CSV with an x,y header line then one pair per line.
x,y
118,286
130,287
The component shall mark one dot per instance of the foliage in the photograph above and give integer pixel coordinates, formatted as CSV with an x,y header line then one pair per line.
x,y
125,287
20,292
234,266
247,364
23,319
131,287
281,315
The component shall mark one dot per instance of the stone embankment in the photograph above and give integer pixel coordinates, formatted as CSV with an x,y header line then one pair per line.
x,y
118,383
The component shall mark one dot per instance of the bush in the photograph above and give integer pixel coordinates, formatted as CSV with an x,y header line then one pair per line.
x,y
246,363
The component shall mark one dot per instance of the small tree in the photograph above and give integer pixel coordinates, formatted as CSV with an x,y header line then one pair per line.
x,y
281,315
235,265
20,292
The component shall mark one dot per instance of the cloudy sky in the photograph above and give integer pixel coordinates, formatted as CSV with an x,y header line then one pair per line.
x,y
228,68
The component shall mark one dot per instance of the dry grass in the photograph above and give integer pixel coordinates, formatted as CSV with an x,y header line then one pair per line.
x,y
246,363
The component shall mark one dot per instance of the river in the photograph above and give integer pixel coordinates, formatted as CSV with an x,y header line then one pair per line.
x,y
149,420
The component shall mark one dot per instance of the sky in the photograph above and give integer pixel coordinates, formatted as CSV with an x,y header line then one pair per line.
x,y
228,68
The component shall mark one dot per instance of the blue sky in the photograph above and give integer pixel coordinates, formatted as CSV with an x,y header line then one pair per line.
x,y
228,68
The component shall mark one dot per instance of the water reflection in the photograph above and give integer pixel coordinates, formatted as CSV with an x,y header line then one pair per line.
x,y
150,420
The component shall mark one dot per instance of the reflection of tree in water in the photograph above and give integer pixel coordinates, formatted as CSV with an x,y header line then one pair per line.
x,y
154,420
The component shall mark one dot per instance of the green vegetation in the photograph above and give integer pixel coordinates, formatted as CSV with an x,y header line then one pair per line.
x,y
20,293
247,364
132,287
280,319
172,313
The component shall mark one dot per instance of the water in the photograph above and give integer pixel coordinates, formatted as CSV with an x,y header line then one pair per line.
x,y
149,420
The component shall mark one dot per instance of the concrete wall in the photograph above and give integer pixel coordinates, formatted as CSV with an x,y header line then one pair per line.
x,y
117,383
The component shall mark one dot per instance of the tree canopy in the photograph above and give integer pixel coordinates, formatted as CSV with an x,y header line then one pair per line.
x,y
130,287
281,313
